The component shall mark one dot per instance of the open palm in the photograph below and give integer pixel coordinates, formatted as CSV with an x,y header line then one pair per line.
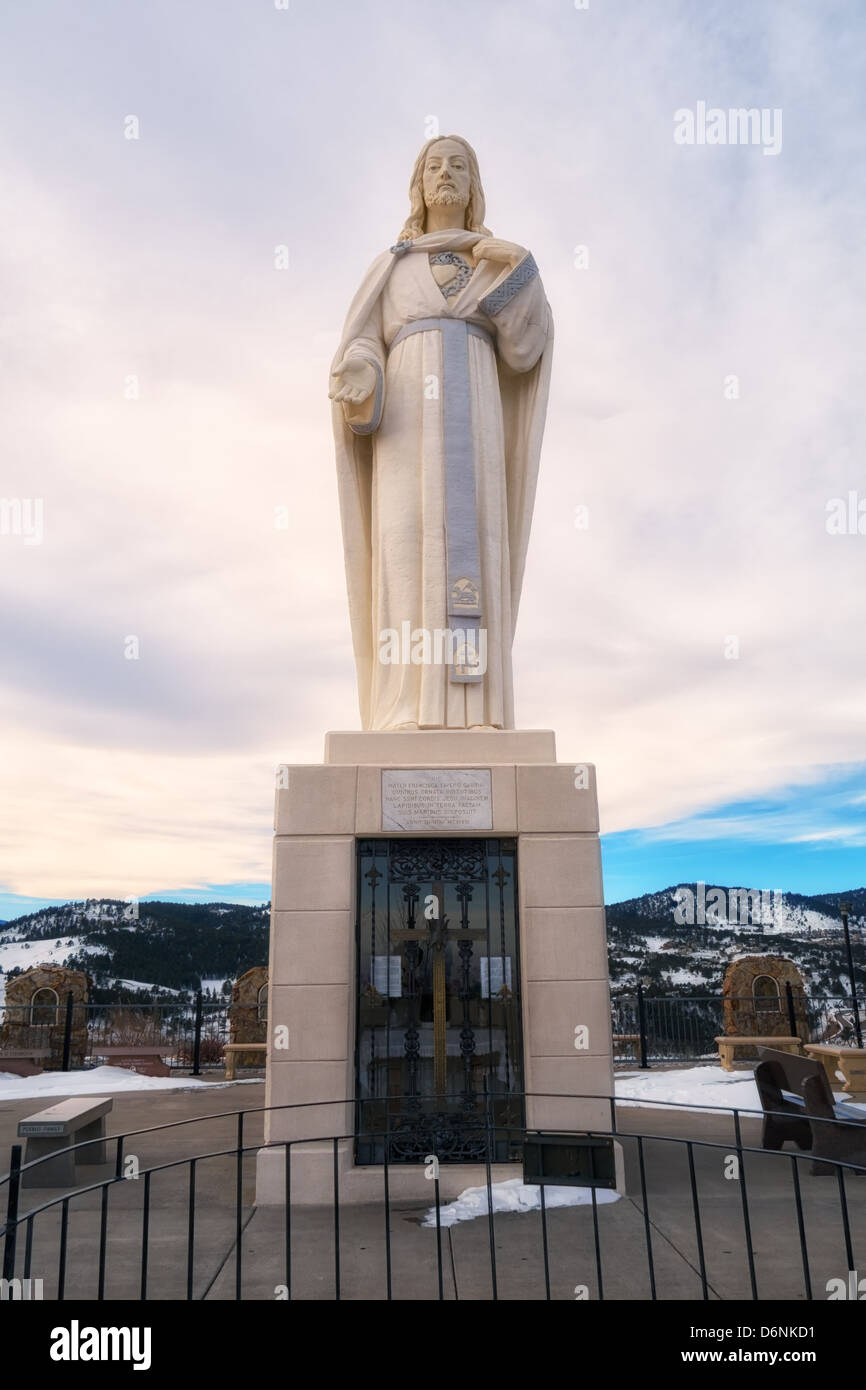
x,y
353,380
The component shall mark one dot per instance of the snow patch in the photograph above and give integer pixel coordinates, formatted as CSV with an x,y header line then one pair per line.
x,y
709,1088
683,977
514,1195
100,1079
16,952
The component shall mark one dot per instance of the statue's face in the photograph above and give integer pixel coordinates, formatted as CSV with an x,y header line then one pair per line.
x,y
446,174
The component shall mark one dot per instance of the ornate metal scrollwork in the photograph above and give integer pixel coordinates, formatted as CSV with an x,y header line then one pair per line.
x,y
437,859
439,1060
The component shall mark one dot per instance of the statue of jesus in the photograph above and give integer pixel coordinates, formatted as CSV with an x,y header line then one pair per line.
x,y
439,391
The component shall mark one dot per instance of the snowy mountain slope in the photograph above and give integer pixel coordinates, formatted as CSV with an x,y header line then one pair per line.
x,y
18,953
705,927
122,946
676,941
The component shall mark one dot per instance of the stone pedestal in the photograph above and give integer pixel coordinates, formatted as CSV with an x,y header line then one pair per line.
x,y
552,810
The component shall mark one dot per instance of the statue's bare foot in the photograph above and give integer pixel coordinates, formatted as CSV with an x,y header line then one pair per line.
x,y
413,727
484,728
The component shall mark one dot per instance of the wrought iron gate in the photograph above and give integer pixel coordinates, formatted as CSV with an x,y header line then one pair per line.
x,y
439,1056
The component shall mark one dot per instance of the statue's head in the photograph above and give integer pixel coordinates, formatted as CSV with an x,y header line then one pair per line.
x,y
445,172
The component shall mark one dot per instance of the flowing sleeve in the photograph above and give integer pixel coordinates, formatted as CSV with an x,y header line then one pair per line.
x,y
365,417
517,304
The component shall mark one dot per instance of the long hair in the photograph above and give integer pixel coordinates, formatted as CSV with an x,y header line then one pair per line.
x,y
418,209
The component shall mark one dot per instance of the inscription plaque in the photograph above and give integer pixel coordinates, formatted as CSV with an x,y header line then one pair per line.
x,y
437,799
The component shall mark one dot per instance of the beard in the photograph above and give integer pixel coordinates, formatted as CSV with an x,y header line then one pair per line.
x,y
446,197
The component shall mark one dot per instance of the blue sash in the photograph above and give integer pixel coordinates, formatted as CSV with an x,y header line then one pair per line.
x,y
463,564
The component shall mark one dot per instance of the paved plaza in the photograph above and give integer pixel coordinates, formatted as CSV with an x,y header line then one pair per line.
x,y
465,1247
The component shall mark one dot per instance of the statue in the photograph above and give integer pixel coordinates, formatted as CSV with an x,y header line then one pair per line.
x,y
439,391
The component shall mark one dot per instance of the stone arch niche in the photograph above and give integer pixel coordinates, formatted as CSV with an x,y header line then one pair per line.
x,y
755,1001
44,1006
35,1013
248,1013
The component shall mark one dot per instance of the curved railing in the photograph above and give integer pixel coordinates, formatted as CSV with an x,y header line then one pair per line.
x,y
700,1154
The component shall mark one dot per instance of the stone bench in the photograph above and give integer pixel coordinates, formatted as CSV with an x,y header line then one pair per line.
x,y
231,1049
728,1045
24,1062
141,1058
850,1061
54,1130
631,1040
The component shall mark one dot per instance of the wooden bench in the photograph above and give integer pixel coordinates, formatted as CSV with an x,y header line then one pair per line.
x,y
850,1061
798,1088
24,1062
631,1040
53,1130
779,1077
728,1045
231,1051
145,1060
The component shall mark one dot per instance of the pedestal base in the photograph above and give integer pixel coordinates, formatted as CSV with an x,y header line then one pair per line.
x,y
312,1178
551,809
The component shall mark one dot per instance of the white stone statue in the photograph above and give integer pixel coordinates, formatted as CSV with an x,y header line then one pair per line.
x,y
439,391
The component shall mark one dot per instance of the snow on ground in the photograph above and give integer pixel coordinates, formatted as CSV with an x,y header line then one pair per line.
x,y
514,1195
780,918
683,977
708,1087
655,943
704,1086
99,1080
143,985
15,952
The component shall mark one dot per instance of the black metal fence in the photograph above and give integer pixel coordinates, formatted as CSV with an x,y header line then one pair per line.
x,y
746,1223
191,1034
652,1028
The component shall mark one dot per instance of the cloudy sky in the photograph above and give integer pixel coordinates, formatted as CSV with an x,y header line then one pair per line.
x,y
163,395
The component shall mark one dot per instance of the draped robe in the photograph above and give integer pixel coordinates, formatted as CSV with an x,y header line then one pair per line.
x,y
391,464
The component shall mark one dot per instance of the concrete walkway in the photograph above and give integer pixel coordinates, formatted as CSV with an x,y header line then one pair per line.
x,y
624,1233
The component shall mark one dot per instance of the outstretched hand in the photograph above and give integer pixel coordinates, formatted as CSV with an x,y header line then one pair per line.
x,y
353,380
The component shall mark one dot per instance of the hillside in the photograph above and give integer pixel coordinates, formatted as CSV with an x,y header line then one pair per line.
x,y
170,946
679,940
676,941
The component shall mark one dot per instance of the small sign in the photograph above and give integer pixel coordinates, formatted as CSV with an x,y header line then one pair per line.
x,y
386,976
568,1160
437,799
492,974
